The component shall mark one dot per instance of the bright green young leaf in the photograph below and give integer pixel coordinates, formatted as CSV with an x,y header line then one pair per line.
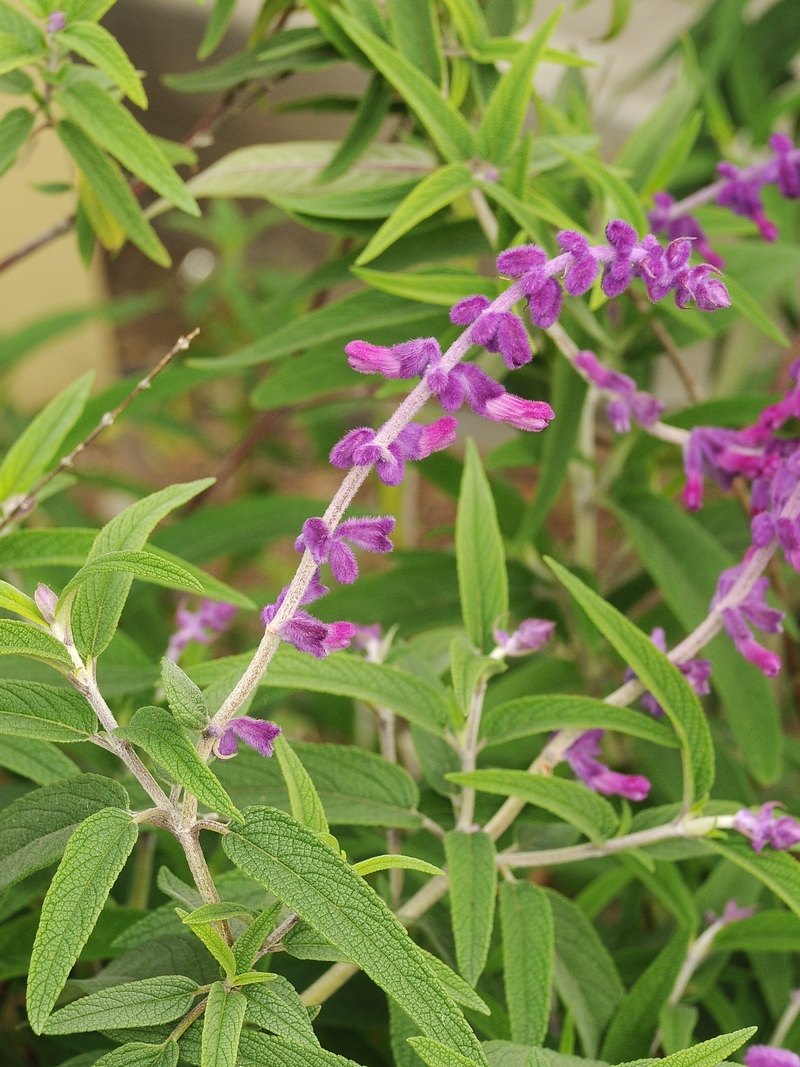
x,y
30,455
672,158
473,885
414,28
140,1054
392,861
246,946
447,127
15,54
659,676
15,24
185,700
34,830
94,857
430,287
571,801
468,669
155,730
633,1027
40,761
95,44
433,193
15,127
23,639
709,1053
222,1024
313,880
146,566
106,180
369,117
625,199
436,1054
114,128
482,578
215,913
145,1003
529,212
12,599
527,925
454,985
303,797
504,116
214,942
278,1008
470,22
33,709
216,29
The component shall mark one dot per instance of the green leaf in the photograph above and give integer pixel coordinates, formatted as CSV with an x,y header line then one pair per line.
x,y
434,192
259,1050
12,599
467,669
414,27
32,709
216,912
503,119
145,1003
482,578
313,880
777,870
146,566
14,54
660,677
620,13
556,711
114,192
214,942
303,797
447,127
527,213
746,305
15,127
40,761
185,700
767,931
278,1008
217,27
139,1054
246,946
155,730
666,884
619,190
585,975
632,1029
369,117
473,881
99,602
94,856
677,1023
222,1025
435,1054
95,44
114,128
394,861
709,1053
212,587
571,801
528,947
429,286
34,830
30,455
455,986
14,23
674,155
23,639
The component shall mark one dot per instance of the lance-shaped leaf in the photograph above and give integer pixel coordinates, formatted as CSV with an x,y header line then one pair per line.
x,y
32,709
313,880
23,639
40,761
13,599
415,33
145,1003
473,882
766,931
214,942
99,47
186,702
443,287
447,127
146,566
618,189
527,923
246,946
392,861
216,28
141,1054
777,870
303,796
571,801
222,1024
709,1053
260,1050
529,212
435,1054
433,193
34,830
482,577
15,127
372,110
657,674
94,856
454,985
503,119
155,730
278,1008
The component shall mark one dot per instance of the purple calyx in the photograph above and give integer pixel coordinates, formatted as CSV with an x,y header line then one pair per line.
x,y
530,636
371,535
754,610
580,756
414,442
255,733
305,632
762,829
57,21
627,401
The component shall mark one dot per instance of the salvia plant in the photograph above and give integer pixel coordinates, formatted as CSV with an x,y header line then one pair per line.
x,y
521,797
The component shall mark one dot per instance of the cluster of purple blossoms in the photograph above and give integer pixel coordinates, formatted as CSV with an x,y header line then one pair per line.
x,y
581,758
731,913
359,448
258,734
762,829
203,626
627,401
753,609
371,535
305,632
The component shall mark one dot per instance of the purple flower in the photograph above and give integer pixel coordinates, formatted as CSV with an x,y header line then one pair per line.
x,y
627,402
752,609
696,284
741,194
761,829
256,733
414,442
682,226
203,626
528,263
371,535
486,397
56,22
618,270
503,332
720,454
769,1056
696,671
582,271
305,632
530,636
580,756
788,169
406,360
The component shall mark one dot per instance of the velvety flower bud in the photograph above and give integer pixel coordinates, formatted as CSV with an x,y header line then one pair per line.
x,y
580,756
46,601
255,733
646,408
530,636
545,299
742,196
618,412
531,415
662,221
466,311
57,21
788,168
317,638
406,360
515,262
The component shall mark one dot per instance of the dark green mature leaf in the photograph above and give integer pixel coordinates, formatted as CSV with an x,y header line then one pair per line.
x,y
15,126
99,602
145,1003
657,674
473,883
24,639
571,801
216,28
100,48
185,700
34,830
303,797
455,986
528,947
139,1054
766,931
666,884
777,870
557,711
482,577
155,730
618,189
32,709
277,1007
94,856
313,880
447,127
222,1024
313,374
632,1029
444,287
660,531
40,761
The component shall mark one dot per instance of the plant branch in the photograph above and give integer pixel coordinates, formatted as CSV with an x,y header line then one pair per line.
x,y
662,335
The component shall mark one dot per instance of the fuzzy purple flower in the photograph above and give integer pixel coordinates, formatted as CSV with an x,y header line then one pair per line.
x,y
580,756
682,226
406,360
57,21
755,611
741,194
467,382
769,1056
761,829
719,454
414,442
203,626
305,632
371,535
696,671
528,263
582,271
788,168
628,402
530,636
255,733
